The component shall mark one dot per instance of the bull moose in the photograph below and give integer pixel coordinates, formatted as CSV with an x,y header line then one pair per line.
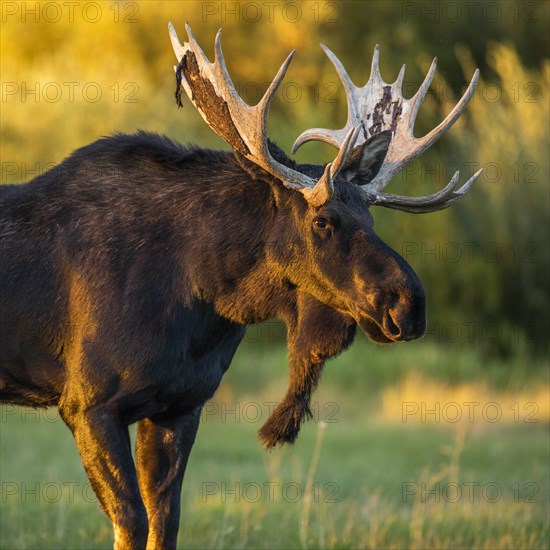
x,y
131,270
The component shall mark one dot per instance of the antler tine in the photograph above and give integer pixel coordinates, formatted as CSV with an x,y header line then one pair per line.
x,y
453,116
333,137
418,98
265,102
399,80
434,198
179,50
345,150
429,203
219,61
342,73
375,66
193,41
466,187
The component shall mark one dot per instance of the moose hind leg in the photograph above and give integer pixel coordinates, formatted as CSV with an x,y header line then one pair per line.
x,y
162,449
104,446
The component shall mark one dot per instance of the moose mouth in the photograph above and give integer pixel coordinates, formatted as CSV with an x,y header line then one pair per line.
x,y
374,330
390,328
384,331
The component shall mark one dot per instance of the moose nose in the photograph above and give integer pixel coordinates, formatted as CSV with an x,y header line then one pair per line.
x,y
407,319
404,328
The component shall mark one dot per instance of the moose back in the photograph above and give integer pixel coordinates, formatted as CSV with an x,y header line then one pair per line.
x,y
130,271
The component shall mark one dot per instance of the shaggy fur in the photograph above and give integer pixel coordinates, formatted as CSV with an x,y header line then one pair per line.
x,y
129,273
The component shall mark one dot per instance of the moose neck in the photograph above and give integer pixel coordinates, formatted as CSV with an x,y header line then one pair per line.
x,y
242,220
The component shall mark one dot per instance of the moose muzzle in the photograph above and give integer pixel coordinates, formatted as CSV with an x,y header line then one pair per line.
x,y
391,303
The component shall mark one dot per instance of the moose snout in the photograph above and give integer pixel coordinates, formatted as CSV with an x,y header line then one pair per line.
x,y
406,320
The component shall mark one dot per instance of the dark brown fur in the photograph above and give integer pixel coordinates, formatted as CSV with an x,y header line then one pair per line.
x,y
129,273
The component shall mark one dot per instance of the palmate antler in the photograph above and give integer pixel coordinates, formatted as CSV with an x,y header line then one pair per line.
x,y
374,108
380,106
211,90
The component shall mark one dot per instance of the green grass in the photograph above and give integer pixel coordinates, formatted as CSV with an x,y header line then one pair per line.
x,y
377,483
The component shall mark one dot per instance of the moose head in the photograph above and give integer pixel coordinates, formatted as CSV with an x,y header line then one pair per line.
x,y
323,241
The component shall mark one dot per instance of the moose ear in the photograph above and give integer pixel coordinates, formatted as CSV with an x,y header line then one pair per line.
x,y
366,159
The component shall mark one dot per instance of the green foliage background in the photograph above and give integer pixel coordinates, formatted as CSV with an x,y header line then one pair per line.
x,y
71,75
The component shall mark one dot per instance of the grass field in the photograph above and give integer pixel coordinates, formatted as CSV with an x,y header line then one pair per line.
x,y
414,446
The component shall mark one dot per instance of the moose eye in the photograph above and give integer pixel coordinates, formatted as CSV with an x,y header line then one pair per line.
x,y
320,223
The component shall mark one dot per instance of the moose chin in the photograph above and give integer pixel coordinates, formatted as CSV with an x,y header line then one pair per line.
x,y
131,270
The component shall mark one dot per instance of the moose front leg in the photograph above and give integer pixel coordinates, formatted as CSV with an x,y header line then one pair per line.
x,y
315,333
104,446
162,450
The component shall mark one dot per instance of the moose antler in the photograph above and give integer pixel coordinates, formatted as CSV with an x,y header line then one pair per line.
x,y
379,106
211,90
